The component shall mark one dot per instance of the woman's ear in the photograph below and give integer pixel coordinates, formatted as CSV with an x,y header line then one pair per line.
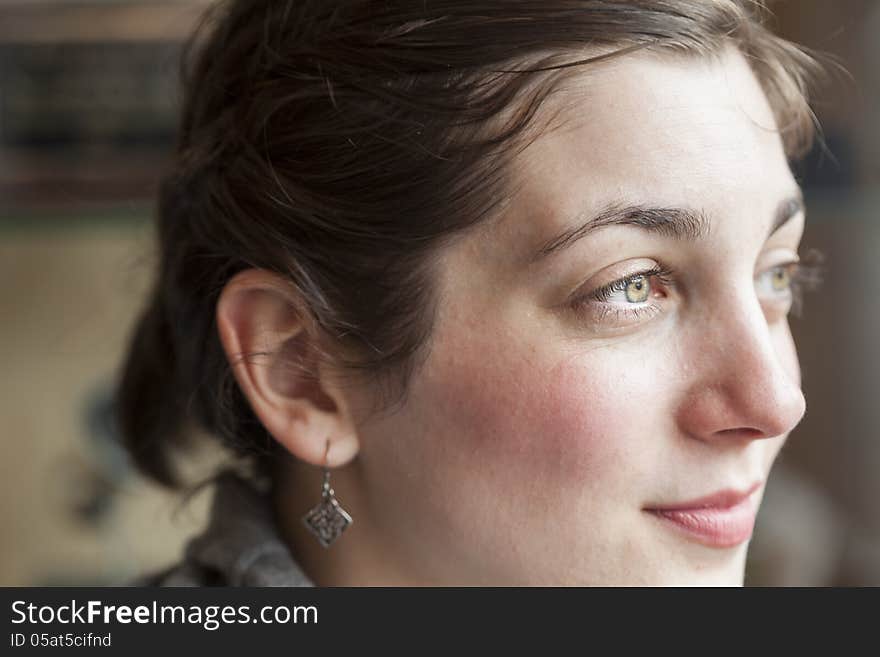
x,y
261,328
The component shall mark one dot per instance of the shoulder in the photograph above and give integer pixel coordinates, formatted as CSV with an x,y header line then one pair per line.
x,y
241,545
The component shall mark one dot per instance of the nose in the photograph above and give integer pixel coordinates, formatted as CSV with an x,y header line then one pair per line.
x,y
745,384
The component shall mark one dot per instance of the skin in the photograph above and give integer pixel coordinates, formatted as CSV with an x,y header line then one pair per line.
x,y
534,436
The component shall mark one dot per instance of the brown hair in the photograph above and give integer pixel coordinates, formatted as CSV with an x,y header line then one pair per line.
x,y
341,143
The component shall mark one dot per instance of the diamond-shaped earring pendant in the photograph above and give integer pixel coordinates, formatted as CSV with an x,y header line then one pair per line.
x,y
327,520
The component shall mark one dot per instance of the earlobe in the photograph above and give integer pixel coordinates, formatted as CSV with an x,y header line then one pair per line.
x,y
272,354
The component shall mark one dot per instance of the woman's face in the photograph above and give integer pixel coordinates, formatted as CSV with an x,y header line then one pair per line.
x,y
557,408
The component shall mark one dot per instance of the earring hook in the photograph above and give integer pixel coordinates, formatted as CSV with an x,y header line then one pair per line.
x,y
327,520
325,488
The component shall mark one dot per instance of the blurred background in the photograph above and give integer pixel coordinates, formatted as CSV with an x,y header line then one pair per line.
x,y
88,95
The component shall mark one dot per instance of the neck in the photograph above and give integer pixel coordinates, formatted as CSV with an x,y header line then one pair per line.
x,y
360,556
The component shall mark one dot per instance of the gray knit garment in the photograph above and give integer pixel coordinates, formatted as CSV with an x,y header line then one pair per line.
x,y
240,547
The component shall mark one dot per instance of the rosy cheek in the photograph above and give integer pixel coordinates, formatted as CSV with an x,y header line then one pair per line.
x,y
568,419
592,407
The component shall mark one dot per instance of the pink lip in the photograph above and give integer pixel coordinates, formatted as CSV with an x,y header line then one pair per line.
x,y
723,519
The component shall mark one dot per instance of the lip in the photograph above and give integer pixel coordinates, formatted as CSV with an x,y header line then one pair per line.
x,y
721,520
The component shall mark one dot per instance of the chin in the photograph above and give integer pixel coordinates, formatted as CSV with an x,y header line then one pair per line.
x,y
686,565
711,570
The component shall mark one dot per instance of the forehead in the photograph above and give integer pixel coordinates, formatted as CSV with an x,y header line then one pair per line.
x,y
651,129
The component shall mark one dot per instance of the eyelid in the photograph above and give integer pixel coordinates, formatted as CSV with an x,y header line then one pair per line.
x,y
590,307
806,275
658,272
775,257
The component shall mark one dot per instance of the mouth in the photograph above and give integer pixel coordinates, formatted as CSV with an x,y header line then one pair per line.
x,y
723,519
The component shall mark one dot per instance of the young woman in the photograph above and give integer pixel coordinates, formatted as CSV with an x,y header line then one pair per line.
x,y
490,293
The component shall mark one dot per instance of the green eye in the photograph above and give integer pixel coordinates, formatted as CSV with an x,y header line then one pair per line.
x,y
780,279
637,289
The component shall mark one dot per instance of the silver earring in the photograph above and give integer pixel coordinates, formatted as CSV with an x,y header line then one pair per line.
x,y
327,520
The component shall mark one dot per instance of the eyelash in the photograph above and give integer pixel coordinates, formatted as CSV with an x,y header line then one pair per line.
x,y
804,275
658,272
583,304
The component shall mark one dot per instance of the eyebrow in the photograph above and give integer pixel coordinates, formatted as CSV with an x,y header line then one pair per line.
x,y
683,224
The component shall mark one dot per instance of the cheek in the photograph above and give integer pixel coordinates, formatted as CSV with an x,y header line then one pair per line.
x,y
573,418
